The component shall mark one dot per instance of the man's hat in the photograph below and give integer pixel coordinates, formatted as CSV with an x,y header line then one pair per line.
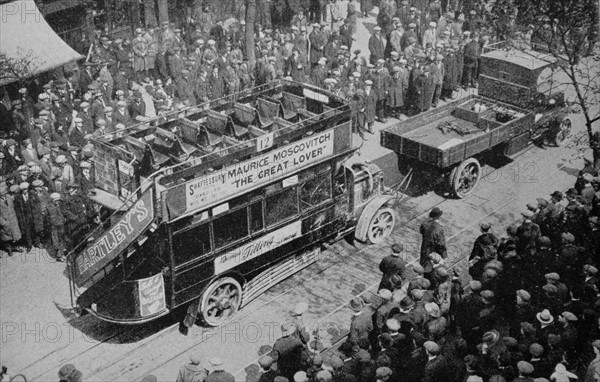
x,y
435,213
368,82
491,337
215,361
487,294
475,285
433,309
37,183
288,329
525,367
24,186
392,324
431,347
433,24
412,26
60,159
383,372
552,276
569,316
377,29
524,295
557,194
265,361
356,304
385,294
590,268
55,196
545,317
568,237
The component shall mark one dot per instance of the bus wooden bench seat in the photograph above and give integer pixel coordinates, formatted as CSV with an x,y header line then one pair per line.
x,y
197,136
223,125
305,114
169,144
267,111
244,114
281,123
291,103
255,131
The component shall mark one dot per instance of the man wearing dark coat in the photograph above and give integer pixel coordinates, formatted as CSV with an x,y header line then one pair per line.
x,y
451,74
428,88
391,265
435,368
287,351
433,239
472,53
24,211
377,44
317,43
370,102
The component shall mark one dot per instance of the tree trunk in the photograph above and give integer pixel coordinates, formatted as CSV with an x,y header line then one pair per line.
x,y
150,14
250,18
163,11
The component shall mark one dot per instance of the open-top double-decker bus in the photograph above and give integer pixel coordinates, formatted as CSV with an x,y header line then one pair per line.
x,y
214,204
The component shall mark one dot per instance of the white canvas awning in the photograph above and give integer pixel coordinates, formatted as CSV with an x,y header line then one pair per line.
x,y
28,45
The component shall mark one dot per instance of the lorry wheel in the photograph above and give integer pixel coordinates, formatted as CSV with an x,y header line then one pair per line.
x,y
381,225
564,130
464,177
220,301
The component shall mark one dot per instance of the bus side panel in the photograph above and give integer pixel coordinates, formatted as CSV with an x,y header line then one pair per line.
x,y
316,227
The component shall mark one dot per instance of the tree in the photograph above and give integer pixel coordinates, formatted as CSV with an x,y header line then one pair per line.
x,y
568,30
13,69
250,19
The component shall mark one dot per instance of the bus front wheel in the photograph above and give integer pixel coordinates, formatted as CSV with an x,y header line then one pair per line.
x,y
220,301
381,225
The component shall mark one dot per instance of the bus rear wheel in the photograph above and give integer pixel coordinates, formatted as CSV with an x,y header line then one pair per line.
x,y
381,225
220,301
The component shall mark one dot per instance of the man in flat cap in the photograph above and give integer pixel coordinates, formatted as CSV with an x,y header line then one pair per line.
x,y
287,351
218,374
192,371
317,40
24,210
377,45
435,368
593,370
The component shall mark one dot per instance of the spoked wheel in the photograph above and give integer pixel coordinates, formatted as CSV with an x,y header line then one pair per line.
x,y
464,177
220,301
381,225
564,130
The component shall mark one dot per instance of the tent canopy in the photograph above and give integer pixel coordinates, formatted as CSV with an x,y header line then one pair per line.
x,y
28,45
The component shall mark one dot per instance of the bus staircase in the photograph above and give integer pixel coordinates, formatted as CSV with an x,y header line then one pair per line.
x,y
78,285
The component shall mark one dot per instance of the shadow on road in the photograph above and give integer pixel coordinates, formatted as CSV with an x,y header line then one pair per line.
x,y
93,329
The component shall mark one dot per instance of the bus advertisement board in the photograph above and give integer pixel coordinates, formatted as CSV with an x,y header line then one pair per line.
x,y
258,247
112,242
234,180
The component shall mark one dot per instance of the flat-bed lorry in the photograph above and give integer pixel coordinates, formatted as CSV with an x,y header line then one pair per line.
x,y
518,101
